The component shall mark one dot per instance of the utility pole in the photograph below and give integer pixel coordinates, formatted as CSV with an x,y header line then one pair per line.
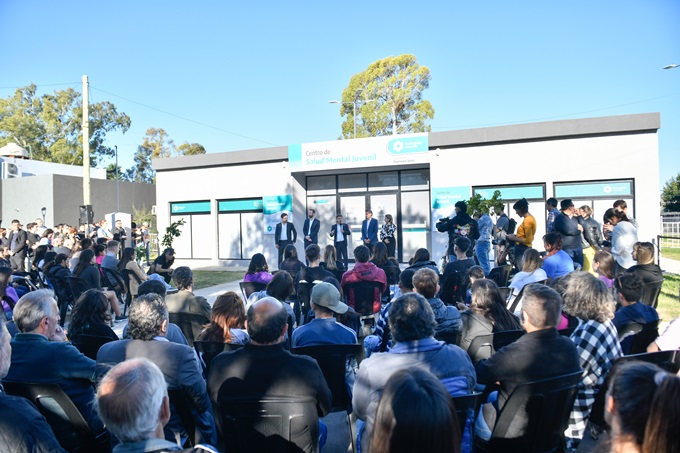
x,y
86,142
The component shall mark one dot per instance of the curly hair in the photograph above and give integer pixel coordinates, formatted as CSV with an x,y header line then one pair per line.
x,y
92,307
228,312
585,296
147,315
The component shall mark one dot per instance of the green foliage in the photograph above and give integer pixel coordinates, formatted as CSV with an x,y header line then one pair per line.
x,y
143,214
190,149
172,232
111,172
51,125
478,205
140,252
395,85
670,195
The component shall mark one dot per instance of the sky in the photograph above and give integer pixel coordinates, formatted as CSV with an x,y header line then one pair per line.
x,y
241,75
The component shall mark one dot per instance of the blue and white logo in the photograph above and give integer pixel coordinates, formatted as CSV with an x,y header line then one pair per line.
x,y
407,145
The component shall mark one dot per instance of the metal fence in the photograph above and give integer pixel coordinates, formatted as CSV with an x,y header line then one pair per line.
x,y
670,234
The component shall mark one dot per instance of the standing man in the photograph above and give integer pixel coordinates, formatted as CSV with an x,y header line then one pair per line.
x,y
103,231
567,225
553,212
119,234
145,239
369,230
341,233
17,246
311,229
284,234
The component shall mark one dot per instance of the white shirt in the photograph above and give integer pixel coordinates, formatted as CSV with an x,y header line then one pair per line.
x,y
339,237
284,231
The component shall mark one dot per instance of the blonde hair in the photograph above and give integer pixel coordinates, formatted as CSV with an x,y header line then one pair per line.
x,y
587,210
532,261
644,252
585,296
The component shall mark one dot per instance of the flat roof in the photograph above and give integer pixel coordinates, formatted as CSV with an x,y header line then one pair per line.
x,y
549,130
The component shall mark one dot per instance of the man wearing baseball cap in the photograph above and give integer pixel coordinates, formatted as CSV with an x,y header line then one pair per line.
x,y
324,329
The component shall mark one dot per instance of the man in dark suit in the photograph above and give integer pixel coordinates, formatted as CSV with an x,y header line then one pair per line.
x,y
147,326
311,229
341,234
284,234
525,360
17,246
369,230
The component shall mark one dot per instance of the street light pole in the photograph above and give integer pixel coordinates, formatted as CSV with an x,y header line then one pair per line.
x,y
354,107
117,178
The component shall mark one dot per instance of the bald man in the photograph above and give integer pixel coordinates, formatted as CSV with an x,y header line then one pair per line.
x,y
263,369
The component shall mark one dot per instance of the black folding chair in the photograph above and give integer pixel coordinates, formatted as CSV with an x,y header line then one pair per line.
x,y
89,344
248,288
500,275
332,360
365,295
651,291
78,287
543,408
67,423
182,405
64,295
467,408
210,349
302,304
635,337
484,346
186,323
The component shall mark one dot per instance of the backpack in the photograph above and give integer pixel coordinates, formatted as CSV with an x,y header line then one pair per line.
x,y
512,224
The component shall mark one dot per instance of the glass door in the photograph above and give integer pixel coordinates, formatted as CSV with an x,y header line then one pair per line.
x,y
325,213
353,210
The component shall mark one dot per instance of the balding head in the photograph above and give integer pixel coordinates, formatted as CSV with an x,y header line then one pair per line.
x,y
266,321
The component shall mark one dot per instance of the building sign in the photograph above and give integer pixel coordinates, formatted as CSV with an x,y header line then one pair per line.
x,y
365,152
190,207
254,205
273,207
535,192
610,189
444,200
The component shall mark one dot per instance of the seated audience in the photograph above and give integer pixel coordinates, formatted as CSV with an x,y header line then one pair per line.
x,y
132,399
649,273
152,286
415,413
557,262
324,329
629,291
526,359
147,327
532,272
487,313
41,354
128,262
4,256
74,257
364,271
604,265
186,302
163,265
8,295
473,274
449,324
291,263
669,340
99,252
412,324
258,270
453,278
313,272
227,321
263,369
330,261
88,271
642,408
22,428
422,259
90,316
588,299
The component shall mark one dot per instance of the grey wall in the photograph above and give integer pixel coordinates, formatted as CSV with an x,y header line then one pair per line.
x,y
23,198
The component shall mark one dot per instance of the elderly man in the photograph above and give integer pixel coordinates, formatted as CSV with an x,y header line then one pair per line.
x,y
541,353
22,428
412,323
40,353
263,369
132,399
147,326
185,302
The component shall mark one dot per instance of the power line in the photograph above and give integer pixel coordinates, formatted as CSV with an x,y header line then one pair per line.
x,y
558,116
185,119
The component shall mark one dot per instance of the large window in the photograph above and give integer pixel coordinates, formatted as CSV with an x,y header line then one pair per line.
x,y
191,243
239,228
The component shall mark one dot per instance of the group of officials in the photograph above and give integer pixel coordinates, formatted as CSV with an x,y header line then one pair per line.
x,y
286,233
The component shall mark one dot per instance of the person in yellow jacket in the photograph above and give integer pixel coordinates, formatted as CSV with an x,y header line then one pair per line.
x,y
525,233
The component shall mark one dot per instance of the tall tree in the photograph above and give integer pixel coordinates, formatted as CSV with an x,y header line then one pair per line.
x,y
111,172
51,125
156,144
388,98
670,195
190,149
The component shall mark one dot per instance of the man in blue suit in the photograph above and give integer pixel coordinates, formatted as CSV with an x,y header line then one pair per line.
x,y
284,234
311,229
369,230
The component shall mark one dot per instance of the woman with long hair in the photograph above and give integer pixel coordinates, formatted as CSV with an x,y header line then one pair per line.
x,y
99,253
163,265
532,272
624,237
227,321
604,266
90,316
415,413
387,234
258,270
330,260
587,298
88,270
81,245
422,259
38,256
46,238
128,263
524,237
487,313
642,407
291,263
8,295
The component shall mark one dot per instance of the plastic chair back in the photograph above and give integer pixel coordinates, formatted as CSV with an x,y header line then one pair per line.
x,y
267,425
453,289
248,288
365,296
89,344
186,323
67,423
182,405
304,294
651,291
505,292
78,286
484,346
467,408
534,417
635,337
64,295
210,349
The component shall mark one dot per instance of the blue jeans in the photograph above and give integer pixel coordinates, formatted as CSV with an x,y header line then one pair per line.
x,y
482,250
482,429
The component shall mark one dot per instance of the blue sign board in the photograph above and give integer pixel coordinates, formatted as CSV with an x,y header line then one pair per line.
x,y
273,207
598,189
190,207
254,205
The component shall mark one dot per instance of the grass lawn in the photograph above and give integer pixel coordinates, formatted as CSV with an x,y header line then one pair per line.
x,y
669,301
672,253
203,279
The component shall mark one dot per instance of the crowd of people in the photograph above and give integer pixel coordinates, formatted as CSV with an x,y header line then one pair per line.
x,y
572,306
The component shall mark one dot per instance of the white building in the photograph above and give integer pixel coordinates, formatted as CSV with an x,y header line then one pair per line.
x,y
231,201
